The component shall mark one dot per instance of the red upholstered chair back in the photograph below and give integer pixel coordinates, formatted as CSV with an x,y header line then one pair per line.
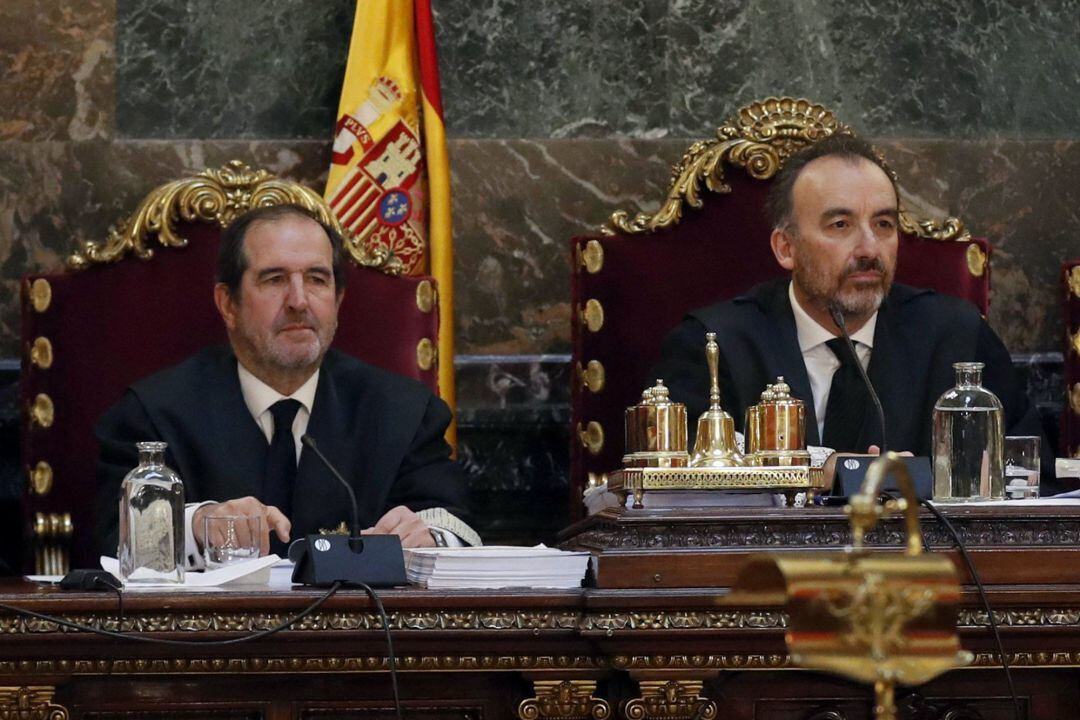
x,y
708,242
1070,425
89,333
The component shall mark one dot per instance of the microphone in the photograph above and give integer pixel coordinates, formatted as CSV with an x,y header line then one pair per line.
x,y
838,318
354,529
323,560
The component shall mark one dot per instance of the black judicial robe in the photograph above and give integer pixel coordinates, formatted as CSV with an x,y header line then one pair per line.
x,y
382,431
919,335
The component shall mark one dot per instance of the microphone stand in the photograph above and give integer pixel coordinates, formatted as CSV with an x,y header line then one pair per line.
x,y
369,560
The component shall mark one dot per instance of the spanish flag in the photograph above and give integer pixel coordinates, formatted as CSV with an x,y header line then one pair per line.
x,y
389,181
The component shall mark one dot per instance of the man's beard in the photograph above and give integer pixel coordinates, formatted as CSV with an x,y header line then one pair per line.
x,y
275,351
864,299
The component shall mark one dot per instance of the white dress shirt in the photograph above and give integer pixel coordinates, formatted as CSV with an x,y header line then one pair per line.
x,y
820,361
259,397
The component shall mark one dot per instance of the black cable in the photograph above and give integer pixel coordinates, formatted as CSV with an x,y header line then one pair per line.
x,y
389,646
98,581
189,643
985,600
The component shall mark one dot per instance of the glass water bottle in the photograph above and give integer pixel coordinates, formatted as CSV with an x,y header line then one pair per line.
x,y
968,439
152,520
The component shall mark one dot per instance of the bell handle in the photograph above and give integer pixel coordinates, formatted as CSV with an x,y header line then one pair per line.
x,y
864,510
712,357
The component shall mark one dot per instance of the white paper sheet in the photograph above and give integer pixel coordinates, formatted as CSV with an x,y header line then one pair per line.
x,y
249,573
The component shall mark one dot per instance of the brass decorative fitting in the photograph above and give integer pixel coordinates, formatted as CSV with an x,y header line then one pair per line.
x,y
41,353
425,296
564,700
1074,398
42,411
596,480
40,294
670,699
591,256
592,437
426,354
976,260
41,478
53,526
592,315
33,702
1074,281
591,376
1074,341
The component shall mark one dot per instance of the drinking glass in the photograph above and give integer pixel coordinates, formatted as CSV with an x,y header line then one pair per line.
x,y
231,539
1021,466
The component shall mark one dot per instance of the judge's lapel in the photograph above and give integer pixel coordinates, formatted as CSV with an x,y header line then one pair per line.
x,y
895,372
785,358
349,438
236,445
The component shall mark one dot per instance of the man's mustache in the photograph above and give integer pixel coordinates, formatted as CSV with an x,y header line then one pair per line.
x,y
305,319
865,265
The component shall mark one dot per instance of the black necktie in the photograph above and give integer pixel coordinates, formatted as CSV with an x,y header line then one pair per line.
x,y
847,402
281,459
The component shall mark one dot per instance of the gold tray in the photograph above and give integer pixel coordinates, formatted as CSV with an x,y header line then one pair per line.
x,y
788,480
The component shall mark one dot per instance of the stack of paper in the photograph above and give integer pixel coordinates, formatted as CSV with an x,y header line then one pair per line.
x,y
495,566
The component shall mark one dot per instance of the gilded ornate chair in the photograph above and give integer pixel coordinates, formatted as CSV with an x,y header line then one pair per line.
x,y
1070,426
125,309
708,241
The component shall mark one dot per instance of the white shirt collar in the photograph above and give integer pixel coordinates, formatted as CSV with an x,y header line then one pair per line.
x,y
258,396
811,334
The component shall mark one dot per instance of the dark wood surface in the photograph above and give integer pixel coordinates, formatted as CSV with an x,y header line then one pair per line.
x,y
477,654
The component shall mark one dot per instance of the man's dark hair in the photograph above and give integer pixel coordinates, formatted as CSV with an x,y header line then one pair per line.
x,y
780,203
233,261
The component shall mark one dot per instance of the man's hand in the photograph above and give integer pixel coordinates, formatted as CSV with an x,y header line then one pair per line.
x,y
406,524
272,519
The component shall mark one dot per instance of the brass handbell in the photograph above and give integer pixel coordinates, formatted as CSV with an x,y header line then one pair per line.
x,y
715,444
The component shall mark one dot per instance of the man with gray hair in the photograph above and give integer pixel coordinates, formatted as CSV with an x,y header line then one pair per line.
x,y
233,416
834,212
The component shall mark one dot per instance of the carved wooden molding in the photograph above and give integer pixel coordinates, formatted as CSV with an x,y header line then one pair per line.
x,y
1033,532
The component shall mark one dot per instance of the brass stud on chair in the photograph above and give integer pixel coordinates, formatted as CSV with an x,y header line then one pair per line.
x,y
591,256
591,376
592,315
425,296
41,478
40,294
1074,398
1074,281
592,437
42,411
976,260
426,354
41,353
1074,341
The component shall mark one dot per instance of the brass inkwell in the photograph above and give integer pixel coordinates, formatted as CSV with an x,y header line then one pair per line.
x,y
656,459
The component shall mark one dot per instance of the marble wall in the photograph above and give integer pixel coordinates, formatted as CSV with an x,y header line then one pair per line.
x,y
558,113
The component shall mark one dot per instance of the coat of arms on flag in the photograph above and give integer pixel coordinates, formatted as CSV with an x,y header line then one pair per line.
x,y
379,195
